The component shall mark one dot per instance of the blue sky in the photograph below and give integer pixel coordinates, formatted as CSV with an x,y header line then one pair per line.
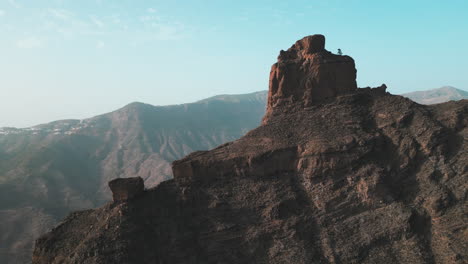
x,y
64,59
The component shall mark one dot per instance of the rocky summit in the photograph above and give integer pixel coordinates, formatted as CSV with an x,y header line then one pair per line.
x,y
335,174
307,74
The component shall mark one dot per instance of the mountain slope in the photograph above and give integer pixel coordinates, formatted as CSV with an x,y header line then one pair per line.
x,y
436,96
49,170
52,169
427,97
334,174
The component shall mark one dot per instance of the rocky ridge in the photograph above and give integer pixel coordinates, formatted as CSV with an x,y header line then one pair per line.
x,y
334,175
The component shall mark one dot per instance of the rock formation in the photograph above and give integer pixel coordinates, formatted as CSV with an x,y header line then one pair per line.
x,y
332,176
307,74
124,189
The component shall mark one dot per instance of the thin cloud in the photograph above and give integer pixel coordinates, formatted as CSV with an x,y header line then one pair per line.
x,y
115,18
29,43
2,13
100,44
161,28
97,22
150,18
169,31
63,24
14,3
61,14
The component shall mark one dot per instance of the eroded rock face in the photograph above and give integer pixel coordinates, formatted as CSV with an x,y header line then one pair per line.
x,y
363,177
124,189
308,74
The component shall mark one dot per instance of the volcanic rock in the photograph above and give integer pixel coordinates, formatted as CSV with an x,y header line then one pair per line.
x,y
362,177
126,188
307,74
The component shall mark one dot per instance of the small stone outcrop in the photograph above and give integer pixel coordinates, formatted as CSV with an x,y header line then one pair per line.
x,y
308,74
124,189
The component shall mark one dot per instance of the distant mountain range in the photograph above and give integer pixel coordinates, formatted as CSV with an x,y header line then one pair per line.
x,y
48,170
436,96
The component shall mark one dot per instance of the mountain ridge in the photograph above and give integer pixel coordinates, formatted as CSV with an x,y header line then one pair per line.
x,y
33,160
51,169
334,174
439,95
258,96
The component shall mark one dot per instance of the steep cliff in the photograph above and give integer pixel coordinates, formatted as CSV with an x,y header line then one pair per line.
x,y
306,74
334,175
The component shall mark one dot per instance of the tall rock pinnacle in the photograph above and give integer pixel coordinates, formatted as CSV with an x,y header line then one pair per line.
x,y
307,74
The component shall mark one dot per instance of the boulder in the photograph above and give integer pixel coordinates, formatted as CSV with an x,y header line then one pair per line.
x,y
124,189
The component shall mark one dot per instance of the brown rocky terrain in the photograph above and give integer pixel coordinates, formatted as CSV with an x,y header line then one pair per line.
x,y
338,175
31,215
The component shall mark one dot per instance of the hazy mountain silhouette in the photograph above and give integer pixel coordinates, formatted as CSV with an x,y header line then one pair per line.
x,y
436,96
49,170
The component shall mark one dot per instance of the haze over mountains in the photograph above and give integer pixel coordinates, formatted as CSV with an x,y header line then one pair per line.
x,y
48,170
52,169
436,96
